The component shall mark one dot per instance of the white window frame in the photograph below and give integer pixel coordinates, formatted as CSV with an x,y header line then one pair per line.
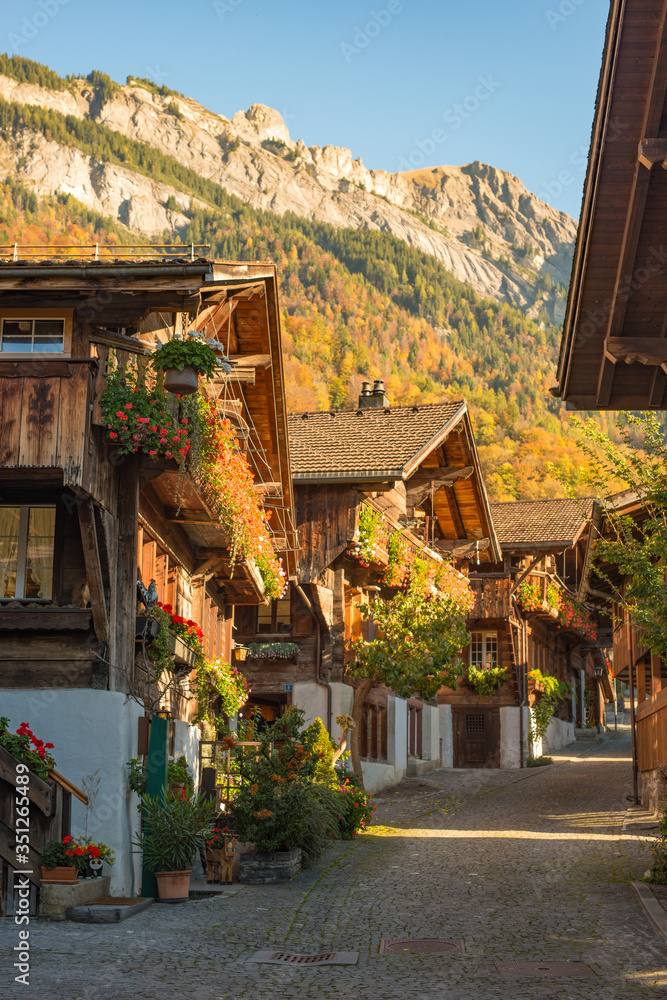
x,y
486,648
64,315
22,552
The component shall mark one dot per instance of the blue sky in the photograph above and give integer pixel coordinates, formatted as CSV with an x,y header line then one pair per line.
x,y
399,82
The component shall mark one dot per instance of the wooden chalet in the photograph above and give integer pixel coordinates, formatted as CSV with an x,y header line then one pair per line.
x,y
543,545
80,524
633,663
417,468
614,345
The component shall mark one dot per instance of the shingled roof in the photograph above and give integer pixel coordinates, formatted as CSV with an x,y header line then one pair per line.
x,y
540,522
367,444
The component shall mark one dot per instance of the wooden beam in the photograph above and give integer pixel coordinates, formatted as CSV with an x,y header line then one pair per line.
x,y
519,580
461,546
262,361
91,555
112,339
637,350
456,514
637,205
419,486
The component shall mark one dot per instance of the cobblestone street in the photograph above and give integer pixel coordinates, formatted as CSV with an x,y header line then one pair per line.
x,y
529,865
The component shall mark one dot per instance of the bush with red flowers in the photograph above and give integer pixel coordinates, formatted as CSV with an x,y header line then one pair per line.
x,y
141,417
25,746
185,628
356,811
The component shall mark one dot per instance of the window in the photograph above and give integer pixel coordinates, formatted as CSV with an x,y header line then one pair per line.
x,y
275,618
484,649
26,552
32,336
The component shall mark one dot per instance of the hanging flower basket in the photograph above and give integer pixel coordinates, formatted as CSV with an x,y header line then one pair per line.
x,y
181,382
183,361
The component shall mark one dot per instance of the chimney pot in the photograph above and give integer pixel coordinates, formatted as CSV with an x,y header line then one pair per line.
x,y
375,399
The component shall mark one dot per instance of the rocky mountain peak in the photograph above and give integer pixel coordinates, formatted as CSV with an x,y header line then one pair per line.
x,y
478,220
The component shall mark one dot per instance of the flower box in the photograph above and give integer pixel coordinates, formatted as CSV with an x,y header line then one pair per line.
x,y
278,866
60,875
183,655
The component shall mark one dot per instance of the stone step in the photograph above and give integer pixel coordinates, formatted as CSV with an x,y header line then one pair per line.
x,y
108,912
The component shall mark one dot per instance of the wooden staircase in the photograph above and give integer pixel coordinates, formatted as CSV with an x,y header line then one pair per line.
x,y
49,818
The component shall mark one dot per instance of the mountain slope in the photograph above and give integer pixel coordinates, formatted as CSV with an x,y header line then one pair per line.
x,y
480,222
357,301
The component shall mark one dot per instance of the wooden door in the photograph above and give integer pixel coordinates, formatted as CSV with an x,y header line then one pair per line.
x,y
476,737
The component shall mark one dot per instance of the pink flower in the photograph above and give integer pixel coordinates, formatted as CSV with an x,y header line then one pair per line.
x,y
112,434
143,420
152,453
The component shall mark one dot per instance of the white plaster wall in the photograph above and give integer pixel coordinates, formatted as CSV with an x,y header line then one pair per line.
x,y
379,776
94,733
559,734
312,699
431,733
510,735
397,736
446,735
186,744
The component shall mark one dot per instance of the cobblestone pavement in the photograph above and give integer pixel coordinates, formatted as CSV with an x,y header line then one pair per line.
x,y
528,864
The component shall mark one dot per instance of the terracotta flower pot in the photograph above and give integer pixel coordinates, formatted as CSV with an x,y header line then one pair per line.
x,y
173,887
62,874
183,383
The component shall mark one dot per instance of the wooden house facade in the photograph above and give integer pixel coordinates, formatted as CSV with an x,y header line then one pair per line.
x,y
515,625
633,663
614,346
82,524
416,469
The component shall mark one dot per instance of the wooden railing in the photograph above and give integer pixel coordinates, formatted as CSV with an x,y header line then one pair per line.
x,y
492,597
652,732
49,819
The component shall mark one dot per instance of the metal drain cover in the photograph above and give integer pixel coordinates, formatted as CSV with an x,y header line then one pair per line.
x,y
428,946
555,970
294,958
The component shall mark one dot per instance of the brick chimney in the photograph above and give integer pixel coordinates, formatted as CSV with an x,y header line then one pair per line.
x,y
375,399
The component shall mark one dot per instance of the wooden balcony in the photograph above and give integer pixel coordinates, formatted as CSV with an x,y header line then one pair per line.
x,y
44,415
492,597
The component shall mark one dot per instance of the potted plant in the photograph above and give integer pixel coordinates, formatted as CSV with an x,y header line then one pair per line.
x,y
179,778
58,862
175,833
183,361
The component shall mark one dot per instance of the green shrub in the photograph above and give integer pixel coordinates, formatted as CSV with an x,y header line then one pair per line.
x,y
539,761
658,873
284,802
175,830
